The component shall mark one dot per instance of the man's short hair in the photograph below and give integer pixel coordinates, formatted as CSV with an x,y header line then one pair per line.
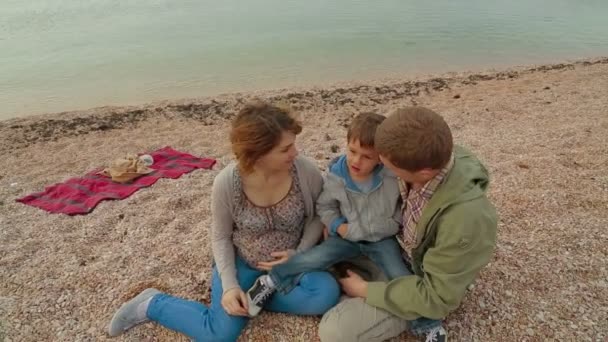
x,y
415,138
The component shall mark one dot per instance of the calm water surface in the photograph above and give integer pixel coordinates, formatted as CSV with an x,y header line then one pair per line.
x,y
73,54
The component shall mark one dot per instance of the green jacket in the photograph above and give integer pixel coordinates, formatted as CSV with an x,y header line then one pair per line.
x,y
456,235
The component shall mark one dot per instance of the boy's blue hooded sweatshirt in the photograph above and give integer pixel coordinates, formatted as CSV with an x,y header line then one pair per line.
x,y
370,216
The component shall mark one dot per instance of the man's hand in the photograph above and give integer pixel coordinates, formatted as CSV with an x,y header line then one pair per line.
x,y
325,233
342,230
353,285
234,302
281,257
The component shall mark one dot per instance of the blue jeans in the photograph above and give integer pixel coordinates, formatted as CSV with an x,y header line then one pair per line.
x,y
385,253
316,293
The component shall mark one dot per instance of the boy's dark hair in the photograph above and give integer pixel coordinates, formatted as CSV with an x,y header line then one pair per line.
x,y
415,138
363,128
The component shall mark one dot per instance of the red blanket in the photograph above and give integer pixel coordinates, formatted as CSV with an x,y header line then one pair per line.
x,y
81,195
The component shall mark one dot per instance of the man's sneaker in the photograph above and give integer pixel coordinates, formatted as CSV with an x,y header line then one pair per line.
x,y
437,334
258,295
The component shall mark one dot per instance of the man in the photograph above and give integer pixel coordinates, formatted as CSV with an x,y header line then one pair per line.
x,y
448,235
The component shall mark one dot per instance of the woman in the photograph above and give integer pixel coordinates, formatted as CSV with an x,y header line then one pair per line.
x,y
263,212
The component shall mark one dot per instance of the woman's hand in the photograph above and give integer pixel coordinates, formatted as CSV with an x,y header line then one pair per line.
x,y
234,302
281,257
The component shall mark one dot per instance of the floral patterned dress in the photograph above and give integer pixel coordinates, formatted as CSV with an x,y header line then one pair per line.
x,y
259,231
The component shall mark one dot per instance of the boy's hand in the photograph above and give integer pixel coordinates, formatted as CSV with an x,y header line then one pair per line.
x,y
342,230
325,233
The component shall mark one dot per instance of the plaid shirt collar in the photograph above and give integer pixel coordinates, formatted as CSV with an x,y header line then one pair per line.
x,y
431,186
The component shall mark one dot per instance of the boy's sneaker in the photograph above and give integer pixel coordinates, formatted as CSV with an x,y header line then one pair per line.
x,y
258,295
437,334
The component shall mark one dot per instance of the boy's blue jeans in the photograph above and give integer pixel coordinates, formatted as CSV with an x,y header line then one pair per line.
x,y
315,293
385,253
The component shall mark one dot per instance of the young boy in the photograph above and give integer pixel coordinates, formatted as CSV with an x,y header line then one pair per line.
x,y
360,206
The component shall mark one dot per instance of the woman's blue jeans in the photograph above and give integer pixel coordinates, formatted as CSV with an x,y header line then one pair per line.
x,y
316,293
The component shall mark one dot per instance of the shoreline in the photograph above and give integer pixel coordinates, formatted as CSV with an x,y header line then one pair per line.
x,y
51,126
39,107
540,131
